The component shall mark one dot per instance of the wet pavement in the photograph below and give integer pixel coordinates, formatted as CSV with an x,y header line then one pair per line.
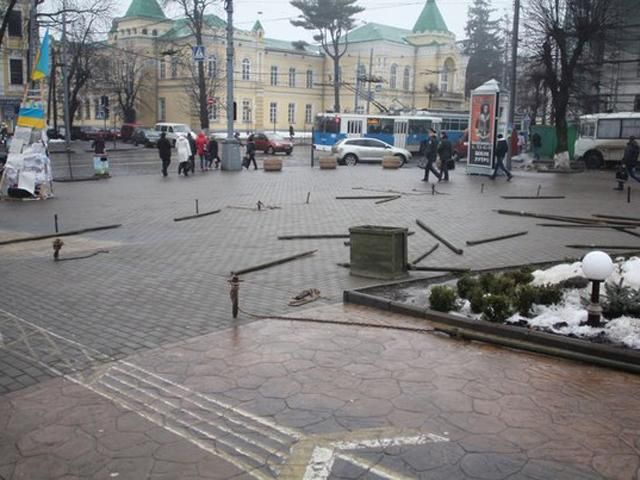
x,y
296,399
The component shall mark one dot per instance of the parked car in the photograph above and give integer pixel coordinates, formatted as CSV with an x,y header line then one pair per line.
x,y
89,133
127,130
173,130
350,151
272,143
145,136
76,133
461,146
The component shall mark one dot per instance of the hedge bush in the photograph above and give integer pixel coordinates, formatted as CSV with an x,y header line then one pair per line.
x,y
443,298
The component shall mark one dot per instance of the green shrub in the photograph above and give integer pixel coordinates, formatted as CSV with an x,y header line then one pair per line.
x,y
487,282
497,308
503,285
549,295
620,300
476,298
522,276
443,298
574,282
466,285
524,299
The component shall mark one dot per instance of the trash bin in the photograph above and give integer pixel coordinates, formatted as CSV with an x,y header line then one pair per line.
x,y
379,252
101,165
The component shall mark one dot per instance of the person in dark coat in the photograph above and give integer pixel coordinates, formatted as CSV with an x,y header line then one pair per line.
x,y
192,159
445,151
251,153
212,152
431,155
99,146
164,150
536,143
502,148
629,162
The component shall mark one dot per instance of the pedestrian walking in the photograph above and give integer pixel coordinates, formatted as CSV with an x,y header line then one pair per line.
x,y
250,155
184,155
99,147
431,155
201,149
629,162
191,137
536,143
445,151
164,150
502,148
292,133
212,152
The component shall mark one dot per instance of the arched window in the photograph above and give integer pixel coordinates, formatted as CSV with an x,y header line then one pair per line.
x,y
406,79
446,75
393,77
292,77
309,78
154,32
212,66
246,69
144,31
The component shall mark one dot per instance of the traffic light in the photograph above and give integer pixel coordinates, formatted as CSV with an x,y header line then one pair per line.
x,y
104,103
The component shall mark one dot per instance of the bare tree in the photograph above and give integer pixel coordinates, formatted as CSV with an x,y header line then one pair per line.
x,y
125,74
332,20
559,33
6,7
194,11
214,81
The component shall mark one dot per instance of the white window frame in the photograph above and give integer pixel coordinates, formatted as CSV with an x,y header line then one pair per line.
x,y
292,77
162,109
406,79
274,75
393,77
273,112
308,113
212,66
246,111
309,79
291,113
246,69
213,111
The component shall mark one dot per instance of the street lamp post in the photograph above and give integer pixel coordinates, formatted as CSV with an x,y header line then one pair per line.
x,y
230,145
596,266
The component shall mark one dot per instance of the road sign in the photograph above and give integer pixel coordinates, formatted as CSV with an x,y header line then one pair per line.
x,y
211,101
198,53
100,113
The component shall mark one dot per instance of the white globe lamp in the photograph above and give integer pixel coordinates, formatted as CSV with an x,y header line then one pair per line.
x,y
596,266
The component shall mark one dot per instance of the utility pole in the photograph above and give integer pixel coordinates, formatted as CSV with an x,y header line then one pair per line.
x,y
370,77
358,83
230,146
514,64
65,86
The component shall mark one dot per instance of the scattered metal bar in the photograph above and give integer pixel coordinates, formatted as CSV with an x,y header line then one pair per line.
x,y
81,257
426,254
388,199
565,225
309,237
448,244
273,263
61,234
561,218
616,217
626,230
605,247
345,265
495,239
364,197
55,221
308,195
418,268
199,215
531,197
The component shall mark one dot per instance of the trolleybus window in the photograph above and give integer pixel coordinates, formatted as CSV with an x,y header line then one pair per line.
x,y
327,124
630,126
419,127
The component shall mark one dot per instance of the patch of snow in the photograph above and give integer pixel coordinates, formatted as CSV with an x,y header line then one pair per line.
x,y
629,270
557,273
624,330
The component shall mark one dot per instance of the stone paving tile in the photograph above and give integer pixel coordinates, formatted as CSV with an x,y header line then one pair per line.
x,y
163,281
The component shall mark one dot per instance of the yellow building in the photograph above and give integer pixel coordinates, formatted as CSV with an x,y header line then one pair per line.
x,y
13,62
280,83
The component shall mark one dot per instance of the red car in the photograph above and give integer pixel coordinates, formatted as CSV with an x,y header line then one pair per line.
x,y
461,146
272,143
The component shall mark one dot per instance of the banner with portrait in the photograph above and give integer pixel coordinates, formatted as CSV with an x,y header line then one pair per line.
x,y
482,129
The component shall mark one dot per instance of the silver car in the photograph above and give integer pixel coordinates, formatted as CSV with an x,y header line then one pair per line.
x,y
350,151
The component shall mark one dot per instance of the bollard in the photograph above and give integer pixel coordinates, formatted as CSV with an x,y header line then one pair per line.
x,y
539,188
433,189
234,293
482,188
197,211
55,221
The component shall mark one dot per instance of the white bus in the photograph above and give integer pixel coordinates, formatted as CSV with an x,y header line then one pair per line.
x,y
603,136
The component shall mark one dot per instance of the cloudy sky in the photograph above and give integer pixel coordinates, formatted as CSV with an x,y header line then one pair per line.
x,y
275,14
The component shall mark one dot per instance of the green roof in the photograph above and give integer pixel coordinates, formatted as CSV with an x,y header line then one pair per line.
x,y
257,26
180,28
375,31
289,46
430,20
145,8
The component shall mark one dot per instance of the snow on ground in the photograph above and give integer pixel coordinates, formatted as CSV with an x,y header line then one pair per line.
x,y
557,273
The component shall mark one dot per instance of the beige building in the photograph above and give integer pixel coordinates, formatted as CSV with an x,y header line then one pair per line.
x,y
280,83
13,62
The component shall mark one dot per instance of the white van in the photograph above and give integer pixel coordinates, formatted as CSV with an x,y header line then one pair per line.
x,y
173,130
603,137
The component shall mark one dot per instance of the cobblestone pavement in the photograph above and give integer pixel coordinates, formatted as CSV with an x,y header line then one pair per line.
x,y
293,399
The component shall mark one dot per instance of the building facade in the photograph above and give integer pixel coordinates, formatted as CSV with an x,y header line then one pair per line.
x,y
13,62
279,83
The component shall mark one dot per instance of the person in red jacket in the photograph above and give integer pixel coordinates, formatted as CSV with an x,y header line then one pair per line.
x,y
201,149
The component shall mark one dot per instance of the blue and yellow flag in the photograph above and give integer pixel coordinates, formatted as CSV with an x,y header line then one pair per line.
x,y
41,70
31,114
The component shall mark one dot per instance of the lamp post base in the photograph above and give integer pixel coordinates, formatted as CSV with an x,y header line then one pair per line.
x,y
231,157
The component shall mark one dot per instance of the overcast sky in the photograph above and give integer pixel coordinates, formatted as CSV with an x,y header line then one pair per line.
x,y
275,14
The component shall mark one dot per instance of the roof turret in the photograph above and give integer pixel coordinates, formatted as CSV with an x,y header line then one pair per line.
x,y
145,8
430,20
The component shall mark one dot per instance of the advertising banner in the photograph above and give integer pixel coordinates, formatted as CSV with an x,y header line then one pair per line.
x,y
482,128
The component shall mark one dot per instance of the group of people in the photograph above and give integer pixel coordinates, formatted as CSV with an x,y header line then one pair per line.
x,y
444,150
187,147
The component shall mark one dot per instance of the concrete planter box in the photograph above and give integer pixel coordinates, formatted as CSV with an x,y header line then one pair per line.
x,y
379,252
272,164
328,163
391,163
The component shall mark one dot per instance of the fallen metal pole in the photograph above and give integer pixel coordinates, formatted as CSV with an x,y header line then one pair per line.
x,y
560,218
437,269
388,199
616,217
448,244
309,237
61,234
365,197
606,247
426,254
199,215
536,197
495,239
273,263
564,225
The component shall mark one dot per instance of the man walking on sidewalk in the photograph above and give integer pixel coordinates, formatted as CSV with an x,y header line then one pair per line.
x,y
164,150
502,148
431,154
445,151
